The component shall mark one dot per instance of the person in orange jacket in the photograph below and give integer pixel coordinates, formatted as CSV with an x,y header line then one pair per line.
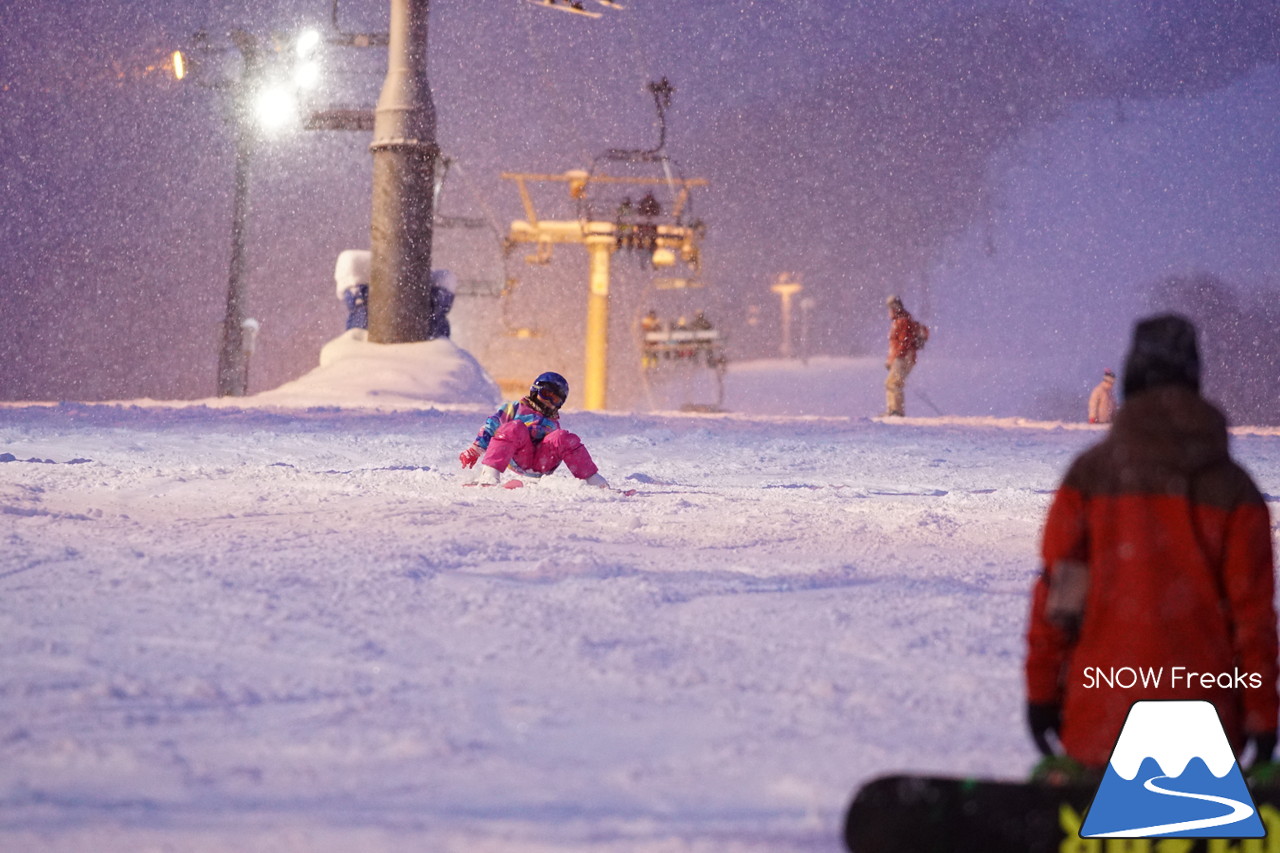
x,y
1157,564
906,338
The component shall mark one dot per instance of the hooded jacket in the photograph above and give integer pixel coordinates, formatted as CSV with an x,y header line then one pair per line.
x,y
1177,540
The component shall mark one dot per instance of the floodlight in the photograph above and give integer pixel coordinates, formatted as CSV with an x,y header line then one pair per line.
x,y
306,75
307,43
275,108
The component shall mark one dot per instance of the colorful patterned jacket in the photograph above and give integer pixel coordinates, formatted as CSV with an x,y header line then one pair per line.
x,y
517,410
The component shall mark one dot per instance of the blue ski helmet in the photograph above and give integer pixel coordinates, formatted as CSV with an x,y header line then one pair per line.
x,y
550,388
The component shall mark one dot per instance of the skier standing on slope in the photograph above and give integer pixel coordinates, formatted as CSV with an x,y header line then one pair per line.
x,y
525,437
1157,559
1102,402
906,338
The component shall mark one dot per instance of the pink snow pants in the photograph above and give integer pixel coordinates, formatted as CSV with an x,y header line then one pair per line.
x,y
512,442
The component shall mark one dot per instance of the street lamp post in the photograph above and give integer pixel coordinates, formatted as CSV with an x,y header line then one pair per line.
x,y
786,288
263,101
807,305
404,153
233,361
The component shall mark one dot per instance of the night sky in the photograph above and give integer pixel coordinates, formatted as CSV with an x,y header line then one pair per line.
x,y
1030,176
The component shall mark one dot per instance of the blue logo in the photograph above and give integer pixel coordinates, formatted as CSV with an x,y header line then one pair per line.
x,y
1172,774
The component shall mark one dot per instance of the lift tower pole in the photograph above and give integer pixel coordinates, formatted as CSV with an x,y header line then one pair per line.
x,y
404,153
233,361
600,238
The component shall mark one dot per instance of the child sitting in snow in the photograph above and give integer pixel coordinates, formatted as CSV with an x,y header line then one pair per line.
x,y
525,437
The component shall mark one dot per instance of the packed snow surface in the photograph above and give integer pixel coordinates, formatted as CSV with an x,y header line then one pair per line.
x,y
280,624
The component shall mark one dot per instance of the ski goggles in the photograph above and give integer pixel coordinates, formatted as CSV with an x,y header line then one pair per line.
x,y
551,397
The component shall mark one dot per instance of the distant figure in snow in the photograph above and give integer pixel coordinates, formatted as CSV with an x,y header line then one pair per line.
x,y
651,329
625,224
1102,402
906,338
525,438
1156,557
649,206
444,285
650,322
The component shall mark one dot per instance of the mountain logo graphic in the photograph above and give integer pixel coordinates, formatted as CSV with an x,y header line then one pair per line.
x,y
1172,775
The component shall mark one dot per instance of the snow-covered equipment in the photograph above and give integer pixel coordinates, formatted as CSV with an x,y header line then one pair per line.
x,y
352,270
351,275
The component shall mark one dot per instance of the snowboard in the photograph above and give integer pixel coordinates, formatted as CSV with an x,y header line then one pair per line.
x,y
929,814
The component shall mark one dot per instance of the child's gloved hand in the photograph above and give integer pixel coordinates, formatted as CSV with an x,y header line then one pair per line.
x,y
470,456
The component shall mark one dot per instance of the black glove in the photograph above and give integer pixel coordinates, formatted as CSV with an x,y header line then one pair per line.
x,y
1264,747
1045,719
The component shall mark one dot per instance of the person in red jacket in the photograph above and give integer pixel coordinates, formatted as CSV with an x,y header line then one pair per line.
x,y
906,337
1158,580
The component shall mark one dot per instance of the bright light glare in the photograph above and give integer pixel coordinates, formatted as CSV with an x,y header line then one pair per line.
x,y
179,65
307,75
275,108
307,43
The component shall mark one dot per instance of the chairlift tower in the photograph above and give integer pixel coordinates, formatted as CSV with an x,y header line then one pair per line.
x,y
609,221
404,155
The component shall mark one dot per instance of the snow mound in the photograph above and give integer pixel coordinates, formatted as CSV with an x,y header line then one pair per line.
x,y
355,372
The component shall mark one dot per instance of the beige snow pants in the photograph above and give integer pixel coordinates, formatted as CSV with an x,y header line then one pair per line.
x,y
895,386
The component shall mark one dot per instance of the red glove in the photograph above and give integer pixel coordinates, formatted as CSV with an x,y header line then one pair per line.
x,y
470,456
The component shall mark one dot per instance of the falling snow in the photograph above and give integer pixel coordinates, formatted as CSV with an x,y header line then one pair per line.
x,y
1027,176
